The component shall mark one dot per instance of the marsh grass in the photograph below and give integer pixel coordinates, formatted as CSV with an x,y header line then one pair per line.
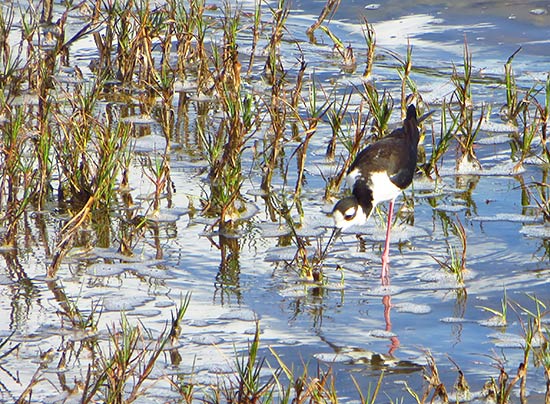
x,y
249,387
189,27
17,168
347,57
467,125
541,197
329,9
514,105
530,128
315,113
380,108
7,348
372,392
122,370
440,144
273,68
370,39
408,86
256,31
534,344
303,387
156,169
231,136
306,267
276,103
500,315
127,359
72,147
544,116
455,263
69,310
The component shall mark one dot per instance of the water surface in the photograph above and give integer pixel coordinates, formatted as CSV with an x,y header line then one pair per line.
x,y
351,323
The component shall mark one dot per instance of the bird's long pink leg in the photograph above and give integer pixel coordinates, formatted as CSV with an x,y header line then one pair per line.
x,y
385,274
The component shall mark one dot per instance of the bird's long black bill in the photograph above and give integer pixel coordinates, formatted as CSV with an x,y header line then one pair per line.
x,y
335,234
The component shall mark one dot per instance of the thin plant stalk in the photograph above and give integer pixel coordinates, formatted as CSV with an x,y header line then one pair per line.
x,y
370,39
329,9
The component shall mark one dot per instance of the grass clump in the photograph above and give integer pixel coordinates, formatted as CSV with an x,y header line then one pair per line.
x,y
456,262
466,124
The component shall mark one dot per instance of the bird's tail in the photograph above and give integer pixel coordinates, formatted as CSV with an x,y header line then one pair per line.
x,y
411,113
410,125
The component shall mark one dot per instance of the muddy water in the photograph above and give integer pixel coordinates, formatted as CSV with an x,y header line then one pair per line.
x,y
351,322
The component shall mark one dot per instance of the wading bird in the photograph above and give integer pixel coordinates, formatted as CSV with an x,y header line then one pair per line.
x,y
379,173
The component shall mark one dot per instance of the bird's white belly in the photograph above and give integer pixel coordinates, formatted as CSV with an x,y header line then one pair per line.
x,y
380,184
382,188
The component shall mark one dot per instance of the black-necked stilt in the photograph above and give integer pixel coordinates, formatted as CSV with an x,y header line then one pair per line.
x,y
379,173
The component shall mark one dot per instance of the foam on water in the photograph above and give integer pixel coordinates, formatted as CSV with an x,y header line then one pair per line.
x,y
280,254
494,140
167,215
332,357
199,323
381,334
153,271
6,280
380,290
438,280
293,292
145,313
334,286
310,231
536,231
239,314
273,229
503,168
506,217
203,98
372,6
412,308
450,208
111,254
102,269
437,91
140,119
494,321
503,340
208,339
149,144
424,184
453,320
221,368
119,303
186,86
497,127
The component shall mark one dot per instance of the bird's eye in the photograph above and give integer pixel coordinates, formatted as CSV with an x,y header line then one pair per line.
x,y
349,214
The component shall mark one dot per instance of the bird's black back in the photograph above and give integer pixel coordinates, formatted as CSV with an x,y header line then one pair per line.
x,y
395,154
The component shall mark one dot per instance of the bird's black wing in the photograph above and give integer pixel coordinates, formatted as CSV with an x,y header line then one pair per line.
x,y
392,154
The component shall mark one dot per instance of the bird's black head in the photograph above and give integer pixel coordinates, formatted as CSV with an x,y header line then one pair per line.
x,y
348,212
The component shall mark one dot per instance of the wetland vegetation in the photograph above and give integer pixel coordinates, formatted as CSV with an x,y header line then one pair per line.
x,y
166,170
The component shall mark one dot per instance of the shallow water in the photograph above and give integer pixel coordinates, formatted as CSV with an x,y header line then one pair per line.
x,y
351,322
